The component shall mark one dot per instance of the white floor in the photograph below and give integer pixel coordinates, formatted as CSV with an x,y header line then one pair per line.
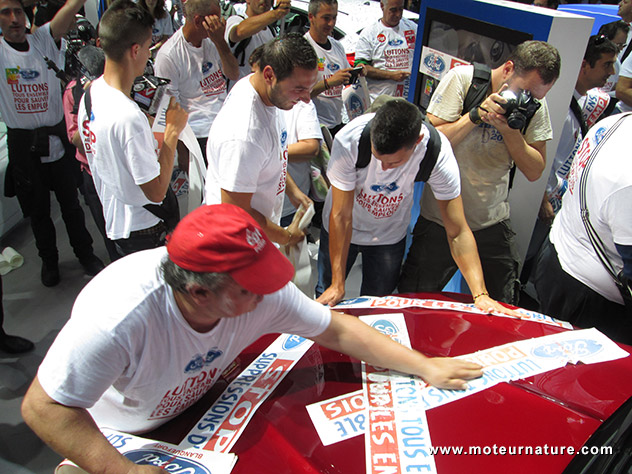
x,y
38,313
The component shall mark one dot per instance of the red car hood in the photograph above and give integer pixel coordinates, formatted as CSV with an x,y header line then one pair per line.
x,y
556,409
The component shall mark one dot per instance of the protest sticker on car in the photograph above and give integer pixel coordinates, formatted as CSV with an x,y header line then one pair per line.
x,y
398,302
166,456
224,422
339,418
397,438
522,359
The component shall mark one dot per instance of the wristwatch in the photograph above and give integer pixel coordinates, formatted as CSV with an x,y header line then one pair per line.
x,y
475,117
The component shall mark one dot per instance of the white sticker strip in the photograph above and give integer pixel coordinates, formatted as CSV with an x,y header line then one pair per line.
x,y
397,302
521,359
170,458
222,425
339,418
397,438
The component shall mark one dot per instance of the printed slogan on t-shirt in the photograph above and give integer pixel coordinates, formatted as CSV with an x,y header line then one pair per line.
x,y
29,98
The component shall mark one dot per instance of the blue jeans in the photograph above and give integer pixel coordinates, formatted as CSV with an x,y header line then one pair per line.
x,y
381,265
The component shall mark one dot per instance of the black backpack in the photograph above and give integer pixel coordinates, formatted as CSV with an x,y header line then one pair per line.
x,y
427,163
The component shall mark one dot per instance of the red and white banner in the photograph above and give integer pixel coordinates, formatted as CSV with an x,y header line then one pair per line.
x,y
397,438
397,302
222,425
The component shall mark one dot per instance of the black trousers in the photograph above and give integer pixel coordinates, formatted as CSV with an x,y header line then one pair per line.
x,y
564,297
96,209
33,182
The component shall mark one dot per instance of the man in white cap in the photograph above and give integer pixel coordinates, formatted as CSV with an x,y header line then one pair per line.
x,y
129,362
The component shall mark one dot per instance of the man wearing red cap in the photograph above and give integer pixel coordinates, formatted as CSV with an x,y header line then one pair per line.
x,y
152,333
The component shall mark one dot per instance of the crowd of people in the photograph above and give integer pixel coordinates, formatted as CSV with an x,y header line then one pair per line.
x,y
262,105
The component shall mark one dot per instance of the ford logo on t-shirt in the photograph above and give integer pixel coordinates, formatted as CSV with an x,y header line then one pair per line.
x,y
395,42
206,67
167,462
333,67
29,74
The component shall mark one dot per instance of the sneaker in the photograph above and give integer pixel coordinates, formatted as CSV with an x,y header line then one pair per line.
x,y
91,265
50,274
15,344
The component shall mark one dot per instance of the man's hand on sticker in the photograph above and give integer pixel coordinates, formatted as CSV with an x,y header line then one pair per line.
x,y
447,373
488,305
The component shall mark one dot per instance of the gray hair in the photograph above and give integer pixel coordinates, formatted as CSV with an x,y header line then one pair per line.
x,y
179,279
314,5
198,7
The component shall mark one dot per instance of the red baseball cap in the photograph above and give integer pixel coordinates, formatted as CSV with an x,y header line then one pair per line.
x,y
224,238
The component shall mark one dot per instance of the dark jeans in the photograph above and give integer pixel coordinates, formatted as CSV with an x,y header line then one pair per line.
x,y
151,238
33,181
430,266
96,209
564,297
380,266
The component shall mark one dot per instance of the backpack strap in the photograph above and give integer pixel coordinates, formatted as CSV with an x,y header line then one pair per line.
x,y
432,154
87,101
427,163
77,92
364,147
577,112
481,81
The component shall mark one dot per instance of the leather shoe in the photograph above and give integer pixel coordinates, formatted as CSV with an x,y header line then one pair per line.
x,y
15,344
91,265
50,274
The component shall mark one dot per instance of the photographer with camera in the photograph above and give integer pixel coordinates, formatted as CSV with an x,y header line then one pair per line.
x,y
486,148
117,138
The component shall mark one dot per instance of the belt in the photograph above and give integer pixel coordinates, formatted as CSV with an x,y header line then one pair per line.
x,y
156,229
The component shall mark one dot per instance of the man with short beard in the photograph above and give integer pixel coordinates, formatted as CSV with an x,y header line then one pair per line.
x,y
247,146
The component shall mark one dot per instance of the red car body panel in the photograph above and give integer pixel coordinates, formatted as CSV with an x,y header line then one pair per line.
x,y
556,409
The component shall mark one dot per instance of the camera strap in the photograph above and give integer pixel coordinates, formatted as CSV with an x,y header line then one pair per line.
x,y
577,112
598,245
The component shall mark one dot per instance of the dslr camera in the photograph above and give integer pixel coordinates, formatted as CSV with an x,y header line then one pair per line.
x,y
519,108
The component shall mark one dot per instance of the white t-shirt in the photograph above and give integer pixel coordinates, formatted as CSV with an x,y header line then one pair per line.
x,y
128,355
383,199
592,106
390,48
626,71
484,160
329,103
161,27
256,40
30,94
608,198
247,151
197,79
302,124
121,152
